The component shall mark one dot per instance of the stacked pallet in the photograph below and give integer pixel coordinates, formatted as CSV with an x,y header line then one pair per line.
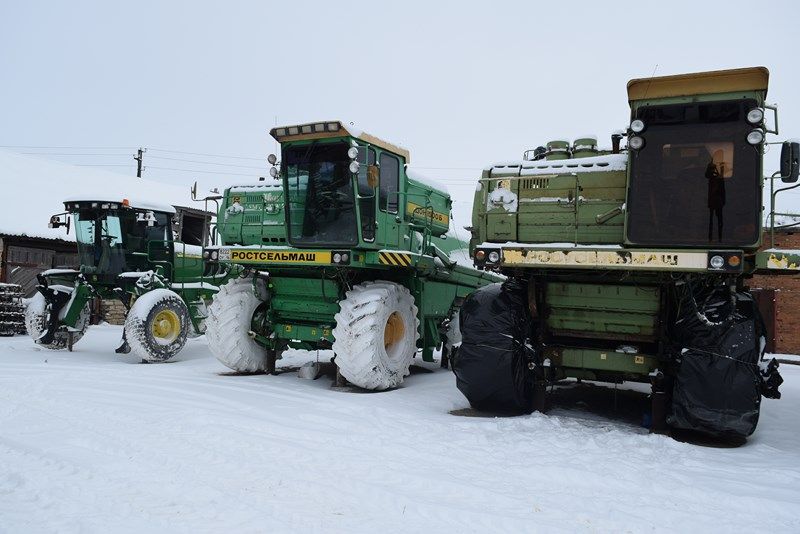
x,y
12,310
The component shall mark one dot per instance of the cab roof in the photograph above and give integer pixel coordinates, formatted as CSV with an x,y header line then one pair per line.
x,y
327,129
699,83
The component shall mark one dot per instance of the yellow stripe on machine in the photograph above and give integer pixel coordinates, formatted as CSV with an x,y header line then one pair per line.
x,y
415,210
398,259
318,257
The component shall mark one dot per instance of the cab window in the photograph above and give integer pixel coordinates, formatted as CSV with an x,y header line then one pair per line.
x,y
389,183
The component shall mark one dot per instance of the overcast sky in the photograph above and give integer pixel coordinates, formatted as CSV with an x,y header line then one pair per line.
x,y
461,84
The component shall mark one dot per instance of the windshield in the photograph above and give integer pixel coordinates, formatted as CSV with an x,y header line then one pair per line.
x,y
696,180
107,240
320,189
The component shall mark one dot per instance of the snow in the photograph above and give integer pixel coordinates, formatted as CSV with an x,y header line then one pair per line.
x,y
419,177
94,442
34,189
607,163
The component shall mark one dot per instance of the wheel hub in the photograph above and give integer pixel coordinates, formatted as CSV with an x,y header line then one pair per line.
x,y
166,325
394,330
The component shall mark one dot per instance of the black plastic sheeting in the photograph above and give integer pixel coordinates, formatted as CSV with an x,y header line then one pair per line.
x,y
720,378
491,365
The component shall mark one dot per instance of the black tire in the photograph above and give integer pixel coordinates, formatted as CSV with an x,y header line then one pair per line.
x,y
37,315
157,325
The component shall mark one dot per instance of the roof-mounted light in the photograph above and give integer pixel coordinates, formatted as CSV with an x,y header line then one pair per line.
x,y
636,142
332,126
755,116
354,166
272,159
280,132
637,126
352,152
319,127
273,171
305,128
294,130
755,137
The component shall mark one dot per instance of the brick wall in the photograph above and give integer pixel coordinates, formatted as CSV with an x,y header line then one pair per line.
x,y
112,311
787,337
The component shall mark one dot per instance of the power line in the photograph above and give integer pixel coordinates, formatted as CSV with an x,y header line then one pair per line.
x,y
102,164
205,154
70,147
72,154
210,163
204,172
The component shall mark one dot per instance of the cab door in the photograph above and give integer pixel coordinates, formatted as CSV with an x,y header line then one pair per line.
x,y
389,204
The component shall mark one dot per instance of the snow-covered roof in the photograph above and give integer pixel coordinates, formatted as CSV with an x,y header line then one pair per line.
x,y
33,189
417,176
607,163
322,129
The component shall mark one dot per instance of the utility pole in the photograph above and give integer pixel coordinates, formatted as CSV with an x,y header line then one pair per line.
x,y
138,157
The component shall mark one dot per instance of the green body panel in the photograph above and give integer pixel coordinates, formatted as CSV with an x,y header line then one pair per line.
x,y
593,363
604,311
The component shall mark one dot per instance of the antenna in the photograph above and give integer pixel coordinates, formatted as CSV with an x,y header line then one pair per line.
x,y
649,81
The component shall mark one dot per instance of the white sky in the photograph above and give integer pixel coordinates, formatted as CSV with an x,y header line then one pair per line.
x,y
461,84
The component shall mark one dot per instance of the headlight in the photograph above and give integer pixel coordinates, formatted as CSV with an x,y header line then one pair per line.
x,y
214,254
205,254
637,126
272,159
755,116
717,262
345,257
755,137
337,258
636,142
494,256
354,166
273,171
479,255
352,152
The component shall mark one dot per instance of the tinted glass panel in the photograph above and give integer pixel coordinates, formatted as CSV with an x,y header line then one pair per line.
x,y
366,192
696,180
390,181
321,196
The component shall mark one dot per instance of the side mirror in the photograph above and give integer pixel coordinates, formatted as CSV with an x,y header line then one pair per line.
x,y
790,162
194,191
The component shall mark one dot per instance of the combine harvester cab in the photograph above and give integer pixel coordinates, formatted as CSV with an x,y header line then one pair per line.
x,y
632,263
128,252
348,251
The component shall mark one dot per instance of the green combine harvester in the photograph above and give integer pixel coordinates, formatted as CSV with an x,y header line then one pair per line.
x,y
128,252
632,263
349,251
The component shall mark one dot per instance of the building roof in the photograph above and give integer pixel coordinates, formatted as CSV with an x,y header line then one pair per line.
x,y
33,189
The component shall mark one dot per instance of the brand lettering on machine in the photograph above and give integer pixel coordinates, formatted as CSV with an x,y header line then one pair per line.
x,y
268,255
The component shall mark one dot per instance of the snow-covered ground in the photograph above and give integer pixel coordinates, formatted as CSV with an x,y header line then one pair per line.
x,y
94,442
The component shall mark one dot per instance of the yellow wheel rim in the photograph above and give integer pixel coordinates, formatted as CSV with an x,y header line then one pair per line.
x,y
394,330
166,325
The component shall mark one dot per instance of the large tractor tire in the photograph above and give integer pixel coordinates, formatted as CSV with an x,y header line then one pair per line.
x,y
37,315
157,325
228,328
376,335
